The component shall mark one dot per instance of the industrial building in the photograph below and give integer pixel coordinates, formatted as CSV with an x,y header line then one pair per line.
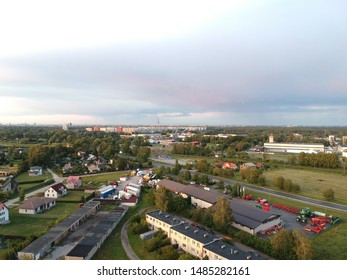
x,y
41,246
294,148
246,218
251,219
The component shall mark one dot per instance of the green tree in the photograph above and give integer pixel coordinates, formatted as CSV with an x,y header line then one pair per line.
x,y
21,194
283,243
279,182
222,216
302,246
162,199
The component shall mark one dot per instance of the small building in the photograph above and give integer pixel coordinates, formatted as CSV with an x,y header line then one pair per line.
x,y
10,185
67,168
229,165
74,182
35,171
56,191
93,168
5,172
4,214
36,205
132,201
248,165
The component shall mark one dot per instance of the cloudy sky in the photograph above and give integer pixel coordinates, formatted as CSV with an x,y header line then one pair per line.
x,y
236,62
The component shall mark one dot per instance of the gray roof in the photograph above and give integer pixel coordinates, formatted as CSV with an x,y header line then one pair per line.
x,y
248,216
189,190
167,218
35,202
172,186
96,234
195,233
230,252
59,230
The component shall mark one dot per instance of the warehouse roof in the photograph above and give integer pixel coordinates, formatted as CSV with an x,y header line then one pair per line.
x,y
250,216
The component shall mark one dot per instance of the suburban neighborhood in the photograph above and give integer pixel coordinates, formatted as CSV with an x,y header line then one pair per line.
x,y
182,195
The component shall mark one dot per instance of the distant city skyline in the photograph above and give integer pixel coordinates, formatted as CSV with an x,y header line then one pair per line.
x,y
237,62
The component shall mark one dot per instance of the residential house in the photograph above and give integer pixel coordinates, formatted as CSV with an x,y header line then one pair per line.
x,y
74,182
36,205
10,185
35,171
56,191
67,168
93,168
229,165
260,165
5,172
4,214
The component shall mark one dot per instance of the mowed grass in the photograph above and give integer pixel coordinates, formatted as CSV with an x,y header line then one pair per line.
x,y
24,177
103,178
312,183
25,224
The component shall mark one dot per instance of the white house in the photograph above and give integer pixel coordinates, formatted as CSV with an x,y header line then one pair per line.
x,y
56,191
4,214
36,205
35,171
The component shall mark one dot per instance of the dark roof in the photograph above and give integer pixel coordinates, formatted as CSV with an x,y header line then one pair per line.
x,y
80,250
230,252
59,230
202,194
172,186
249,216
58,187
189,190
195,233
167,218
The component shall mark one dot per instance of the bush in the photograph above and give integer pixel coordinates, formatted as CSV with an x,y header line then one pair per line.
x,y
329,194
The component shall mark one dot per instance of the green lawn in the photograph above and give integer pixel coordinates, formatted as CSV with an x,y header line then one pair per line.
x,y
312,183
24,224
72,196
98,180
24,177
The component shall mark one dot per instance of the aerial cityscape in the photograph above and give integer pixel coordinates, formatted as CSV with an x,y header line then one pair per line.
x,y
171,130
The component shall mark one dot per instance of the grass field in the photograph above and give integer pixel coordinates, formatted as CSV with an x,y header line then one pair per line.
x,y
72,196
101,179
312,183
24,225
24,177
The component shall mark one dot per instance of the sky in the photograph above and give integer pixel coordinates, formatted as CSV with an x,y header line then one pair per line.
x,y
235,62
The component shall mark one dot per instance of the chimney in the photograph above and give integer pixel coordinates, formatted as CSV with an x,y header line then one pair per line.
x,y
222,247
196,231
205,235
187,227
231,251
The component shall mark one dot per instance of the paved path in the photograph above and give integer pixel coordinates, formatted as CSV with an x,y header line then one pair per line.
x,y
125,241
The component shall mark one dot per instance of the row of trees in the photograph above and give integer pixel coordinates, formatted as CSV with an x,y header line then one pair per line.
x,y
319,160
